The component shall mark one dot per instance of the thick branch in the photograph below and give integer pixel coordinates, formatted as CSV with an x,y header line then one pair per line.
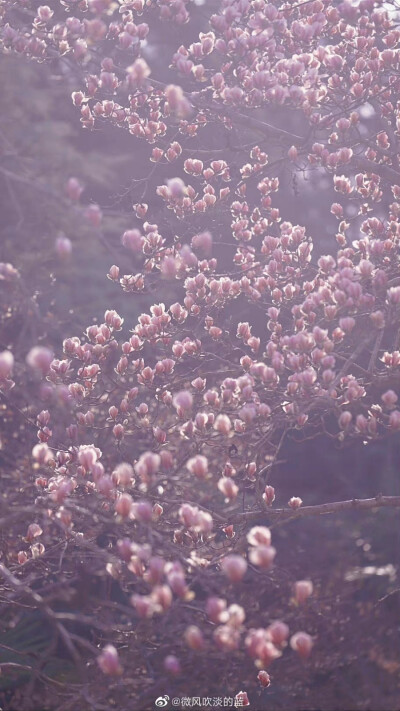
x,y
385,171
334,507
252,122
20,587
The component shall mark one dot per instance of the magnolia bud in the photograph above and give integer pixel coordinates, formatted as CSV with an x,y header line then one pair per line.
x,y
157,511
172,665
302,643
6,364
269,495
142,511
63,247
123,506
33,531
177,584
113,274
94,215
155,570
124,474
215,608
229,531
345,419
108,661
118,431
394,420
347,324
74,188
389,398
194,638
124,547
143,604
302,590
264,678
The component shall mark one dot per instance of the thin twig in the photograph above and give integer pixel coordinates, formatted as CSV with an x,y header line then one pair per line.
x,y
375,351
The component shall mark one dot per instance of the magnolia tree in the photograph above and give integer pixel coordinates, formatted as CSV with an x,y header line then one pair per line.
x,y
152,468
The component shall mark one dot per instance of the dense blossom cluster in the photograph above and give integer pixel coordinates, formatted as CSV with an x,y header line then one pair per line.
x,y
312,58
190,399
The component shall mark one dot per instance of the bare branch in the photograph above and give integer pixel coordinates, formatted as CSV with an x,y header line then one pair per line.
x,y
319,509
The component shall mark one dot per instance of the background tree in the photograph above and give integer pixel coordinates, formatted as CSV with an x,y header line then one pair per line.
x,y
143,537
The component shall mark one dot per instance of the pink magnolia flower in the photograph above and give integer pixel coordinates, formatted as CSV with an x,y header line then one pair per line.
x,y
74,189
108,661
259,535
242,699
39,358
228,488
34,530
123,507
183,401
234,567
198,466
278,632
295,502
262,556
